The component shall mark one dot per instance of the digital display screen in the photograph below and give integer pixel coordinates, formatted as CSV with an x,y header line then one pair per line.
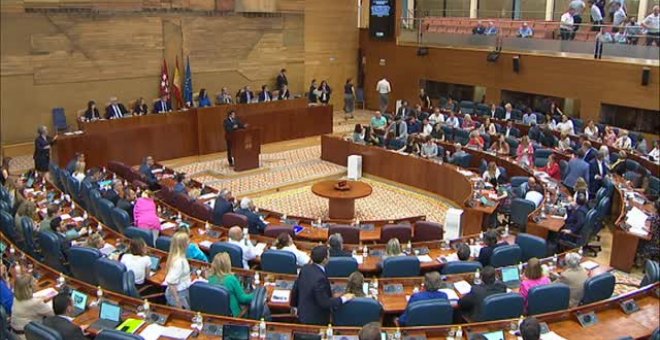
x,y
381,20
110,311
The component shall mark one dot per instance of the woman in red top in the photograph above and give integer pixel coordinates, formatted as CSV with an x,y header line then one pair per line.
x,y
475,142
552,168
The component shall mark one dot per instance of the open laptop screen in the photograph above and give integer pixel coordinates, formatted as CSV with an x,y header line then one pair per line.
x,y
110,311
510,274
79,300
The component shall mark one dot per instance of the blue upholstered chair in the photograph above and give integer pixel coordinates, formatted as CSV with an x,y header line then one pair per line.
x,y
520,210
357,312
120,219
597,288
163,243
235,252
429,313
501,306
7,228
27,226
541,157
651,273
259,305
110,274
341,266
208,298
463,161
144,234
548,298
531,246
467,106
105,210
81,263
401,266
279,261
51,250
4,325
128,285
113,334
458,267
38,331
506,255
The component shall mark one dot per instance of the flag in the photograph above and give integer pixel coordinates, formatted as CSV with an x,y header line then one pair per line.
x,y
176,85
187,86
164,81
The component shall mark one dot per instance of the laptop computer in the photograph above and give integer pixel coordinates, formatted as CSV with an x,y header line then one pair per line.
x,y
235,332
511,277
155,263
79,303
497,335
109,316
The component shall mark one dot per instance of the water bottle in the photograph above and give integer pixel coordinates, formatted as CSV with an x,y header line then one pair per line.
x,y
99,228
506,230
61,280
365,252
397,334
262,329
146,309
198,321
520,267
256,279
555,261
409,246
354,253
328,332
415,290
580,251
207,227
459,333
477,277
85,216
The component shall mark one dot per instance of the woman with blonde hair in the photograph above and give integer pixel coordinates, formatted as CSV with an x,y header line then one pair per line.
x,y
221,275
525,152
354,284
27,308
95,241
178,272
145,214
393,247
492,172
581,186
79,173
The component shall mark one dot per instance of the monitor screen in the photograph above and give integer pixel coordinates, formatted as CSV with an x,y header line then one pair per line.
x,y
79,299
110,311
510,274
235,332
381,19
497,335
155,263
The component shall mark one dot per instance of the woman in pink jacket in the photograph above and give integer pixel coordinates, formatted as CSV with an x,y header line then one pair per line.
x,y
525,152
145,214
533,277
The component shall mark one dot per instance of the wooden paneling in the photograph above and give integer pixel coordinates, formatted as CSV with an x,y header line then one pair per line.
x,y
592,82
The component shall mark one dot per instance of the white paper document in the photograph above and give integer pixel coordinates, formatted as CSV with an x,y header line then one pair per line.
x,y
280,295
462,287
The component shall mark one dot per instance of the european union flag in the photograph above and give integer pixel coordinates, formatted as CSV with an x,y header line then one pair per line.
x,y
187,86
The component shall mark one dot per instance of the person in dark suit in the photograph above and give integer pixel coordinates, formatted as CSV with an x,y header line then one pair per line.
x,y
281,80
115,109
125,202
432,283
113,194
284,93
140,108
470,304
146,169
577,216
180,186
589,152
71,166
246,95
336,244
490,239
265,95
92,113
60,323
42,146
223,204
312,95
311,293
163,105
597,172
403,111
576,168
231,124
256,225
326,91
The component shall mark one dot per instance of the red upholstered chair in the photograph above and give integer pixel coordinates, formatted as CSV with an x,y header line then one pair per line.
x,y
201,211
139,184
166,195
428,231
401,231
118,168
232,219
275,230
183,203
350,234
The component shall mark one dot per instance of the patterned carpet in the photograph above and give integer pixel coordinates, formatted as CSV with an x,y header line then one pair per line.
x,y
386,202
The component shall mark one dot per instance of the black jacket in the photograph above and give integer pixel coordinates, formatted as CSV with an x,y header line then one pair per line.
x,y
221,207
65,327
339,253
231,126
470,304
312,295
486,252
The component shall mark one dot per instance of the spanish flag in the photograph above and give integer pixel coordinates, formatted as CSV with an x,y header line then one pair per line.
x,y
176,86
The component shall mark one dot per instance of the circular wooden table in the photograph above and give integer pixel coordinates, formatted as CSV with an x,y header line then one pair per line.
x,y
341,202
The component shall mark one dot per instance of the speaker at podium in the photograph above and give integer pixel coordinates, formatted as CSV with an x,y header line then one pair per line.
x,y
354,167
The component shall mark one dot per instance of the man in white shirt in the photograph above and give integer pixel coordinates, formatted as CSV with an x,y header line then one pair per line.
x,y
236,237
612,9
652,25
566,26
566,126
384,88
623,142
578,6
436,117
619,16
596,16
508,111
452,121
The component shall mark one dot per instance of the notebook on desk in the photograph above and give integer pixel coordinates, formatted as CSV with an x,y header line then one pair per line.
x,y
79,301
511,276
109,317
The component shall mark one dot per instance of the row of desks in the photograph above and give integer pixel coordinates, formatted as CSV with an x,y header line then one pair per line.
x,y
197,131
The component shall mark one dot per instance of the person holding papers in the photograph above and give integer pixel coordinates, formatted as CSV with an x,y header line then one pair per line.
x,y
60,322
432,284
237,238
470,304
221,275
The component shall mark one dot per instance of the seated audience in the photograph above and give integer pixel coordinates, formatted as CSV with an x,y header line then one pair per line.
x,y
265,95
137,261
113,193
525,31
246,95
463,251
378,123
509,130
525,152
52,211
436,117
566,126
438,134
324,92
642,146
336,246
71,166
412,146
492,172
432,284
491,29
453,121
574,276
79,172
285,242
490,243
140,108
552,168
458,153
427,128
145,214
354,284
489,127
650,249
429,148
236,237
222,205
94,241
655,153
60,322
619,166
532,277
162,105
115,109
393,248
358,136
470,304
284,93
193,252
414,126
564,142
92,113
476,141
221,275
623,142
370,331
550,122
468,123
609,137
25,209
26,307
529,118
480,29
576,216
126,202
203,99
256,225
224,97
508,112
180,186
500,146
591,130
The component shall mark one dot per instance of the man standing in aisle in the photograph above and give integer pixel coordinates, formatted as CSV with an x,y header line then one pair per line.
x,y
232,123
384,88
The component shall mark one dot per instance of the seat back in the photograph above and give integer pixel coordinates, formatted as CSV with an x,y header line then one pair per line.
x,y
201,211
51,250
401,266
128,285
120,219
38,331
105,210
235,252
403,232
506,255
651,273
531,246
350,234
110,274
357,312
342,266
520,210
146,235
7,227
279,261
459,267
548,298
541,157
275,230
501,306
429,313
163,243
27,226
81,263
428,231
4,325
113,334
597,288
59,119
211,299
463,161
259,305
234,219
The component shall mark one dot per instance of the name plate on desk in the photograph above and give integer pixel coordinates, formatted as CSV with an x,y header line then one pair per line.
x,y
393,289
283,284
588,319
367,227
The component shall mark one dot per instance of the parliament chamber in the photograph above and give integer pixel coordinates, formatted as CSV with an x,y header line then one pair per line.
x,y
306,169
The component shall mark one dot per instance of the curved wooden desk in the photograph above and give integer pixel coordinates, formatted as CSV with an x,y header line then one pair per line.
x,y
341,202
